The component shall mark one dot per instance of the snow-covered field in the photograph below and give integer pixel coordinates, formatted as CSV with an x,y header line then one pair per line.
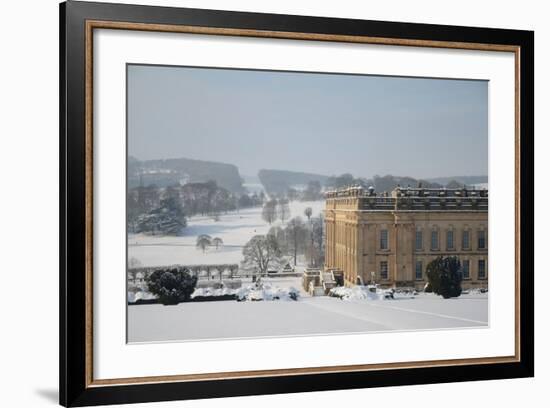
x,y
307,316
235,229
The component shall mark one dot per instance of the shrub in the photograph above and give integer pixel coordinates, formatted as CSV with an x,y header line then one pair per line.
x,y
445,276
171,286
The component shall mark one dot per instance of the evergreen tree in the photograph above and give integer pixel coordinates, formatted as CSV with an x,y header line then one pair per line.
x,y
171,286
166,219
445,276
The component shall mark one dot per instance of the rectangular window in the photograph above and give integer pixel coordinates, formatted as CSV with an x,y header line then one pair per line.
x,y
384,239
450,240
418,270
384,270
481,273
435,241
418,244
465,239
466,269
481,240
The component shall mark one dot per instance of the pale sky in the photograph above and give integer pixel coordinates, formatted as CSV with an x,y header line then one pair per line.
x,y
320,123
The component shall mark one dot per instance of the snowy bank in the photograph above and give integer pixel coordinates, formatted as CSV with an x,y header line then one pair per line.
x,y
368,293
135,296
355,293
254,292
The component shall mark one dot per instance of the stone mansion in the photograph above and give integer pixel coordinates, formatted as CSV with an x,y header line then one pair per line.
x,y
390,238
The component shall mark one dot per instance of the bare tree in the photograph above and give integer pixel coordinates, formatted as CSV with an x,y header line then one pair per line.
x,y
132,275
280,235
260,253
318,239
203,242
308,212
296,233
283,209
217,242
269,212
133,262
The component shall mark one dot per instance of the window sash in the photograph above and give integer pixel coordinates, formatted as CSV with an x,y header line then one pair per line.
x,y
481,244
466,240
418,270
466,269
435,240
384,239
418,240
482,273
384,270
450,240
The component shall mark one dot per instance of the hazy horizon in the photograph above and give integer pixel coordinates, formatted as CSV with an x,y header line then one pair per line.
x,y
366,176
325,124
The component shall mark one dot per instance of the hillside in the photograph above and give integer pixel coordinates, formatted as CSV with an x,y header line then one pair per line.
x,y
279,181
180,171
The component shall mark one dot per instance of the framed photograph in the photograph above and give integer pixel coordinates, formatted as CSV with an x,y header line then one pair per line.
x,y
256,203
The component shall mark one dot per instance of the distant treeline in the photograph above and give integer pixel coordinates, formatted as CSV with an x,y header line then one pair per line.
x,y
468,180
305,186
279,181
276,183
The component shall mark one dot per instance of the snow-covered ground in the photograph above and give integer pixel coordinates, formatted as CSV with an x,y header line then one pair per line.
x,y
235,229
306,316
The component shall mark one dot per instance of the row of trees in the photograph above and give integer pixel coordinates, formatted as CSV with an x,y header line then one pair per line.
x,y
275,209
